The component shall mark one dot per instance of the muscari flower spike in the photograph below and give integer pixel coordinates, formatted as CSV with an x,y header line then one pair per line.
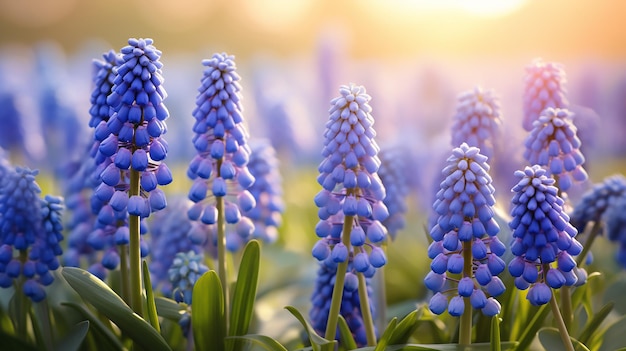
x,y
351,186
544,241
616,226
220,167
464,205
169,229
136,127
267,191
392,173
477,120
31,226
595,202
103,82
350,304
185,270
553,144
544,87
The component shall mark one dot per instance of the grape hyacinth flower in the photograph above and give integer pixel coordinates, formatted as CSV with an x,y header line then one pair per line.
x,y
168,230
351,208
465,251
544,241
595,202
616,226
544,87
267,191
553,144
219,171
392,173
477,120
103,80
185,270
31,227
350,305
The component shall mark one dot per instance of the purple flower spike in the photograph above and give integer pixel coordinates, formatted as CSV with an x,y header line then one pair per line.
x,y
464,206
544,87
478,120
349,178
542,235
221,140
553,143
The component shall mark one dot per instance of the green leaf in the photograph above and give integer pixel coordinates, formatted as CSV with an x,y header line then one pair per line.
x,y
595,323
245,291
11,342
107,302
74,339
532,328
495,333
550,338
317,342
109,340
207,317
613,338
264,341
405,328
615,293
347,340
151,310
384,340
168,308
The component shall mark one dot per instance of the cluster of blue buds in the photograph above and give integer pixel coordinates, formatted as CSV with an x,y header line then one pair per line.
x,y
616,227
393,172
267,191
544,241
186,269
32,227
465,230
352,192
168,230
220,170
595,201
350,303
553,143
544,87
477,120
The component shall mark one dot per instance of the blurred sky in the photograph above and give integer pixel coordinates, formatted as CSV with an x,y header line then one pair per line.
x,y
559,29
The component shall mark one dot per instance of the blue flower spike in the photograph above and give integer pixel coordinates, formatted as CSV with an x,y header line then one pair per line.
x,y
553,144
544,87
465,229
220,168
544,242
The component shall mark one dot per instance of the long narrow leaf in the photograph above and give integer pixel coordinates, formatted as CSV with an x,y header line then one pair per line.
x,y
168,308
347,340
105,300
532,328
595,322
109,340
245,291
263,341
317,342
405,328
74,339
151,310
384,340
207,318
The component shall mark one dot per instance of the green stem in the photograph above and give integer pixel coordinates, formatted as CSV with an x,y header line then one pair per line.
x,y
595,230
561,324
566,302
221,256
465,326
135,250
370,334
124,272
340,277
